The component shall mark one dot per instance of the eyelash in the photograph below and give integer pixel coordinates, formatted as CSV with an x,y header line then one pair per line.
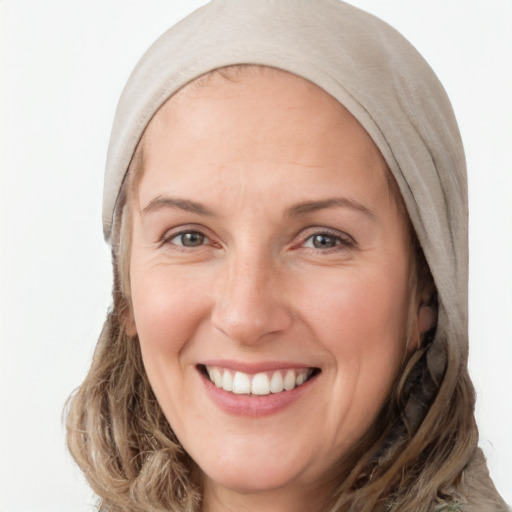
x,y
342,240
180,246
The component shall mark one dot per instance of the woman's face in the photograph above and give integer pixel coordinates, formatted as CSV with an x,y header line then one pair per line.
x,y
267,250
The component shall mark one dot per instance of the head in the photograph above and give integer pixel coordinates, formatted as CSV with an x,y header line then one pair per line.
x,y
262,244
264,233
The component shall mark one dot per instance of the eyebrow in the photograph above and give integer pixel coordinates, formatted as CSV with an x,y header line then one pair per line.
x,y
332,202
298,209
187,205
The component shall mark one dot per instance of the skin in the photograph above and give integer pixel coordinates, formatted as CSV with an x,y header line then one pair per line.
x,y
252,152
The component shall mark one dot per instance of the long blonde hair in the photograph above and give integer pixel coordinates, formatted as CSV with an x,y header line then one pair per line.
x,y
410,460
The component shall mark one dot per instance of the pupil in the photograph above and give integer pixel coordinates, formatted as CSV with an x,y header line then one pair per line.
x,y
192,239
323,241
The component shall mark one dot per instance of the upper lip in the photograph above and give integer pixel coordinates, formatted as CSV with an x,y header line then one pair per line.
x,y
251,367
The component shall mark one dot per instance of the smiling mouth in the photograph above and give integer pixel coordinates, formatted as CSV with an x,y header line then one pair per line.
x,y
259,384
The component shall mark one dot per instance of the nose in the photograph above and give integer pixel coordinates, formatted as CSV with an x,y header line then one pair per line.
x,y
250,304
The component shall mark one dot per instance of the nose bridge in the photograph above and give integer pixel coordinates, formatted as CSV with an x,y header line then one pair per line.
x,y
250,303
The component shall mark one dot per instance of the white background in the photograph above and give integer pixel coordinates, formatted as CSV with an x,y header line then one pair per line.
x,y
63,65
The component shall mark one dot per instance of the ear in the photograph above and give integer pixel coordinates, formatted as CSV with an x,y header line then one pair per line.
x,y
427,309
426,318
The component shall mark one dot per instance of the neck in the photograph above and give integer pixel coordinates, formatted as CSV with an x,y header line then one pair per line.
x,y
217,498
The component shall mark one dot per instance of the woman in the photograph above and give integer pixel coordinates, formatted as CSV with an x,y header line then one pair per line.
x,y
285,196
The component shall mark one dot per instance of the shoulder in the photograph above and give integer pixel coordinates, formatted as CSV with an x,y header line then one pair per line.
x,y
476,489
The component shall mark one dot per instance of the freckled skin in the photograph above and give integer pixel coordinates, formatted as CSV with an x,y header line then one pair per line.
x,y
258,287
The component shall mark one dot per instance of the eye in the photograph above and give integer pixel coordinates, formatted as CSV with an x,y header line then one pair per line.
x,y
326,240
189,239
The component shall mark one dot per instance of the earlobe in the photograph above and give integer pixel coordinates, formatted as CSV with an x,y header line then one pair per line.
x,y
426,318
426,314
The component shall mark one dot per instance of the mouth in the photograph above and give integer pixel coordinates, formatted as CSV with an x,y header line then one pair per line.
x,y
258,384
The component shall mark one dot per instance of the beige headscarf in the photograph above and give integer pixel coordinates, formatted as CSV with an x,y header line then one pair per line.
x,y
368,67
379,77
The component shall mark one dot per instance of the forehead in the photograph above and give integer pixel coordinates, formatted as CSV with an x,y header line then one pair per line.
x,y
237,74
252,127
223,81
259,100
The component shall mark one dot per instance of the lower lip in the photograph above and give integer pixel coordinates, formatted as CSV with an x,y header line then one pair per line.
x,y
254,405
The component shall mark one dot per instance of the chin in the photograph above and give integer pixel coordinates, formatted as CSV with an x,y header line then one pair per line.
x,y
251,480
262,470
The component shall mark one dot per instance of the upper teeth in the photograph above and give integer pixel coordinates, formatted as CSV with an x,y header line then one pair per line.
x,y
262,383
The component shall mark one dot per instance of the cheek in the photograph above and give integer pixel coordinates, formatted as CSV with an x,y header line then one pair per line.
x,y
167,309
357,306
168,314
361,319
